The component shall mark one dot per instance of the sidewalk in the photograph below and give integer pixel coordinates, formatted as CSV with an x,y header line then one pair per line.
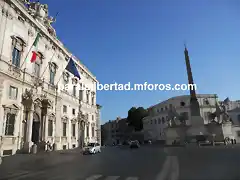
x,y
39,160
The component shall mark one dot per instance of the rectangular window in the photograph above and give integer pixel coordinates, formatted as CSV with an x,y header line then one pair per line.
x,y
52,77
159,121
92,131
93,100
73,111
87,131
93,117
16,55
13,92
64,109
87,97
37,69
10,121
50,127
73,130
64,129
74,91
80,95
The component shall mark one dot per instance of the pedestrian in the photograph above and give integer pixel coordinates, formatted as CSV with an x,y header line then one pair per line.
x,y
48,146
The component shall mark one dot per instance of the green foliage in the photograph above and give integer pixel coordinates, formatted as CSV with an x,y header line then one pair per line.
x,y
135,116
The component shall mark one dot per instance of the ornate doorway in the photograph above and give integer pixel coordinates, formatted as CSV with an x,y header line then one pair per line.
x,y
35,128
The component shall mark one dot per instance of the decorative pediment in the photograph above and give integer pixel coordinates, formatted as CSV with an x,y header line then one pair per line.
x,y
74,120
66,76
12,108
65,118
17,38
51,116
92,124
74,80
53,66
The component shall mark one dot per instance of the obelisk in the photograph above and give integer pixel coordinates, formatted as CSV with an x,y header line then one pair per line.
x,y
196,121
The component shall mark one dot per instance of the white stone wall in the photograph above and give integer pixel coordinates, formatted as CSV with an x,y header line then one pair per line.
x,y
16,22
159,113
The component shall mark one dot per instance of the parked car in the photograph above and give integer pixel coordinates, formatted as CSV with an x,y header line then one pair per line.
x,y
92,148
134,144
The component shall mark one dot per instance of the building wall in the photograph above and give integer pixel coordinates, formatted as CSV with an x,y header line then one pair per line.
x,y
116,131
16,23
154,125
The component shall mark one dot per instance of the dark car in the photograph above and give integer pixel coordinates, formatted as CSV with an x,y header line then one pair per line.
x,y
134,144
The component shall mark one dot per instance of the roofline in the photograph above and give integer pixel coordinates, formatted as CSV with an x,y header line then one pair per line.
x,y
55,41
182,96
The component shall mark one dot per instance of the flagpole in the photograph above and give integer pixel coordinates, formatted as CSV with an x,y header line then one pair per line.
x,y
63,71
28,52
48,64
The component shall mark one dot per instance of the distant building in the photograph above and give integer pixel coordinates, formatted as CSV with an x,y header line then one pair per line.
x,y
154,125
116,131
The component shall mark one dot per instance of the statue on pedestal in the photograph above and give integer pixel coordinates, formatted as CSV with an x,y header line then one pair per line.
x,y
40,12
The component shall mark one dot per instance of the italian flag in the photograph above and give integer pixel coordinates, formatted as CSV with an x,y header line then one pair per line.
x,y
34,48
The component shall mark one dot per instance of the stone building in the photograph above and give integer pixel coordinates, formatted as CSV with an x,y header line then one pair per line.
x,y
33,109
116,131
155,124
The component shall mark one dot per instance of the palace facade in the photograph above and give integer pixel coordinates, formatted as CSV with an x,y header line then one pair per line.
x,y
33,110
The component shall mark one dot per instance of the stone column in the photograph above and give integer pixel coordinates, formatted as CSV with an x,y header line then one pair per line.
x,y
69,133
46,128
29,143
58,123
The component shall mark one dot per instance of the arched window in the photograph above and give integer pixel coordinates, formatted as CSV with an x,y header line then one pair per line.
x,y
53,68
17,50
37,64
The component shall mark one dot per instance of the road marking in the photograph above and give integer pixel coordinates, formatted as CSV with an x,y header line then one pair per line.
x,y
174,169
29,175
17,174
166,166
94,177
112,177
132,178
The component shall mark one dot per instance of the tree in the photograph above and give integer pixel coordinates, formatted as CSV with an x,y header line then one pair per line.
x,y
135,116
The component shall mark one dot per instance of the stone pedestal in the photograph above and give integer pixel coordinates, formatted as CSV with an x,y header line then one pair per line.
x,y
176,133
171,135
197,127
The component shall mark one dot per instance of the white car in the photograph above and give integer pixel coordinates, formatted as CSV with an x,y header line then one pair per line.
x,y
92,148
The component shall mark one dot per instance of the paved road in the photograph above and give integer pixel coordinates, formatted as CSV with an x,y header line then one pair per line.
x,y
146,163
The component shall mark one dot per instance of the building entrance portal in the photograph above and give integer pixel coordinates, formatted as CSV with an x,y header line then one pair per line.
x,y
36,129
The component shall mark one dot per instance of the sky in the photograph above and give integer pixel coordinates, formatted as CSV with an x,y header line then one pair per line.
x,y
141,41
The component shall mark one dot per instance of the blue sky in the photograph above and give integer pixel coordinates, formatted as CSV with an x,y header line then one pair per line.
x,y
143,40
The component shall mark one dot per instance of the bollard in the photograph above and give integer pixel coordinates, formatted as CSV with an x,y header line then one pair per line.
x,y
34,149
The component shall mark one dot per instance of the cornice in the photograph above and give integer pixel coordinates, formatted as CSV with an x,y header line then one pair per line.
x,y
39,27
